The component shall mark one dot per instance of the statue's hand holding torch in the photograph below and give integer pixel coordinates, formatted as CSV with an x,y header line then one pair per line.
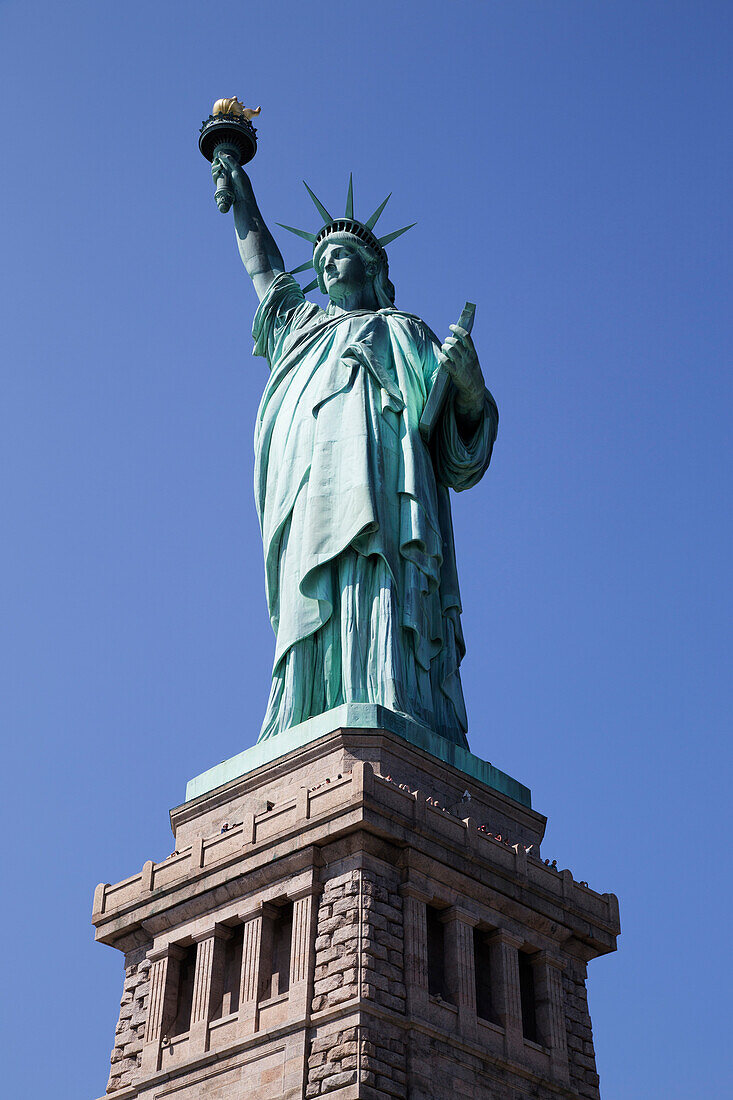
x,y
229,178
228,139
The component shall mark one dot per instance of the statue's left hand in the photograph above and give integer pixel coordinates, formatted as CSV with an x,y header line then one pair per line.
x,y
459,357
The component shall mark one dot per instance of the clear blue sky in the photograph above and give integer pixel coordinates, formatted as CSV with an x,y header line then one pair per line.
x,y
568,163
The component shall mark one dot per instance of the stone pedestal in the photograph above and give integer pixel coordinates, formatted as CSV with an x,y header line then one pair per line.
x,y
343,920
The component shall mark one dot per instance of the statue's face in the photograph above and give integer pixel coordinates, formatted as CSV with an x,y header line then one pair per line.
x,y
344,273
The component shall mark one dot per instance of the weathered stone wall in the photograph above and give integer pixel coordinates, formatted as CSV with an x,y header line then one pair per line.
x,y
338,928
130,1028
359,956
373,1054
382,941
438,1068
346,849
360,941
581,1055
333,1061
383,1059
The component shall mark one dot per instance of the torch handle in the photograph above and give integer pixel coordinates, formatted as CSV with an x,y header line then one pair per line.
x,y
224,194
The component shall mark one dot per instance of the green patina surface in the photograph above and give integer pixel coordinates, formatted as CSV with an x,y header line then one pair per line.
x,y
352,498
358,716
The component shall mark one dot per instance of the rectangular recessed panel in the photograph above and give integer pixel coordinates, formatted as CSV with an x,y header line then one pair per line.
x,y
257,1078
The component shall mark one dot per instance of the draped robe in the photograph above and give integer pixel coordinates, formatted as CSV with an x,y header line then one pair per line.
x,y
360,570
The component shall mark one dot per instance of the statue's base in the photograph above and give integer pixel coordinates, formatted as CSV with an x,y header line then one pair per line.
x,y
355,716
330,745
342,918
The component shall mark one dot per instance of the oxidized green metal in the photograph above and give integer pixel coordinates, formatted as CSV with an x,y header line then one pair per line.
x,y
360,569
361,716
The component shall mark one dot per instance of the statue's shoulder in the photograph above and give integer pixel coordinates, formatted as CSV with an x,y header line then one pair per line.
x,y
283,313
285,299
413,324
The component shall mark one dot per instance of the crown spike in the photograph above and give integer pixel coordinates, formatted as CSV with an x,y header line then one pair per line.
x,y
350,198
393,236
299,233
377,213
319,205
311,286
303,267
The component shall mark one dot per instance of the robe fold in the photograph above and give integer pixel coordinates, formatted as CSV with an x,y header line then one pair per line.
x,y
360,570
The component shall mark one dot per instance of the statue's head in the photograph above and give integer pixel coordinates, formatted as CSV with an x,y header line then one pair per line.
x,y
347,254
344,264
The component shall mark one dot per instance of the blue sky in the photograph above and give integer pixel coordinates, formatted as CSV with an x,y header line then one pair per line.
x,y
568,163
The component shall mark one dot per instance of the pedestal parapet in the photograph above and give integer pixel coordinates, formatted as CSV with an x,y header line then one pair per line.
x,y
355,917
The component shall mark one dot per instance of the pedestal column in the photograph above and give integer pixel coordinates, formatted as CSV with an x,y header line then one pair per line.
x,y
251,976
550,1009
302,950
206,984
162,1002
460,967
508,1005
416,949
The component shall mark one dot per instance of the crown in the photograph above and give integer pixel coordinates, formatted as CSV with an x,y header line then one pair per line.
x,y
345,228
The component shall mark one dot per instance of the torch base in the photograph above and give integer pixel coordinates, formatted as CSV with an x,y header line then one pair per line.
x,y
230,130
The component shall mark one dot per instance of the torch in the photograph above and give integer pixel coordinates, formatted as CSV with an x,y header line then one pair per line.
x,y
228,130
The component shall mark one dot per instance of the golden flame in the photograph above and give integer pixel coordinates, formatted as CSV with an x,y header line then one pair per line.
x,y
234,107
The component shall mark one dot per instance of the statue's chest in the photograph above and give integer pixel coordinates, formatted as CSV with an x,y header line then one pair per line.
x,y
369,333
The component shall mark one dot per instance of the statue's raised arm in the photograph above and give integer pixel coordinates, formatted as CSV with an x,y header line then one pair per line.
x,y
257,248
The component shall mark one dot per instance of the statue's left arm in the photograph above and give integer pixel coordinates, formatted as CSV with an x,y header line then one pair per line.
x,y
458,355
467,427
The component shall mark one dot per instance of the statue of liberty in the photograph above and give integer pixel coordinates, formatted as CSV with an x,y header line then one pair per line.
x,y
360,570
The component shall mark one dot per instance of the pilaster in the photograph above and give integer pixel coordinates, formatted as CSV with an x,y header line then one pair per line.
x,y
460,966
251,975
206,984
505,972
302,950
162,1003
416,949
550,1009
